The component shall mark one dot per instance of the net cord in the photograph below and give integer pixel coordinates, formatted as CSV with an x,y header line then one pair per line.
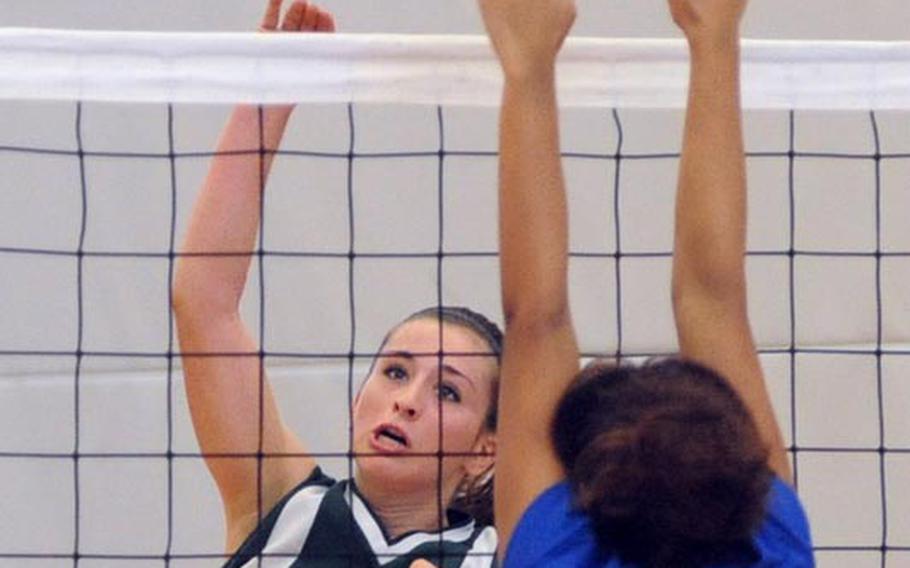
x,y
426,69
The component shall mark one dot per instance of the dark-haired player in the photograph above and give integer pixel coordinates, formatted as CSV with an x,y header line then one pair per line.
x,y
674,464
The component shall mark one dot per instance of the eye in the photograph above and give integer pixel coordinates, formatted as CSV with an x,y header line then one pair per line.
x,y
396,373
449,393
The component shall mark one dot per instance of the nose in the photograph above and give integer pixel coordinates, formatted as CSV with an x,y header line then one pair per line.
x,y
406,410
407,402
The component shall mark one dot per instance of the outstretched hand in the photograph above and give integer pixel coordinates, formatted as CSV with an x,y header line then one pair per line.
x,y
302,16
527,34
708,20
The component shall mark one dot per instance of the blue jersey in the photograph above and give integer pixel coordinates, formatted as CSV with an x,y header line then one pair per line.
x,y
552,532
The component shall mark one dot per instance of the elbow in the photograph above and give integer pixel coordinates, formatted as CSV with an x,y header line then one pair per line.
x,y
194,296
692,296
681,289
180,290
184,288
710,266
710,282
183,301
537,319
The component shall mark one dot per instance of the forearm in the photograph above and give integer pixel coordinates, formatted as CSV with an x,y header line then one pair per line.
x,y
226,216
533,217
711,201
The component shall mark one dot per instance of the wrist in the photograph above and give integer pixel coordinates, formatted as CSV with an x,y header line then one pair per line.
x,y
540,77
278,111
713,42
713,51
269,111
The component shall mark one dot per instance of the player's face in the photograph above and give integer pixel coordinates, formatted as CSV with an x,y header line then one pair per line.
x,y
414,397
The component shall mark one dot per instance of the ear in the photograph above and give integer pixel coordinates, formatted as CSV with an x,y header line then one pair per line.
x,y
485,450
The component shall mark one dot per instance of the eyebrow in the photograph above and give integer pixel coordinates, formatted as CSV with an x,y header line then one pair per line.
x,y
457,372
410,357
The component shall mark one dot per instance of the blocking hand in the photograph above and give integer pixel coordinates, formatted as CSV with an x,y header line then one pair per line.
x,y
527,34
708,20
302,16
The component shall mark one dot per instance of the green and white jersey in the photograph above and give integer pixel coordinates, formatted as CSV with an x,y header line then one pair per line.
x,y
327,524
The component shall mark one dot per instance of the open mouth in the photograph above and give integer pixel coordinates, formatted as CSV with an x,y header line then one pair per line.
x,y
391,435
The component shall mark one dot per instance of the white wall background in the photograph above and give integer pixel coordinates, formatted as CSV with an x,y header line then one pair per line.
x,y
123,400
806,19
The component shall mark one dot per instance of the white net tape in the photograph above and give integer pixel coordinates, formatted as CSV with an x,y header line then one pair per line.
x,y
269,68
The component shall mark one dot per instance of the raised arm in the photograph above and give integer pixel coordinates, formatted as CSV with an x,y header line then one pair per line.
x,y
540,355
709,282
224,391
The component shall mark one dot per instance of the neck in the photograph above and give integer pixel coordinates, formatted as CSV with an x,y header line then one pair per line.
x,y
405,511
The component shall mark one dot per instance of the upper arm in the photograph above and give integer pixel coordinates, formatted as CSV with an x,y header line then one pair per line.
x,y
225,395
716,332
539,361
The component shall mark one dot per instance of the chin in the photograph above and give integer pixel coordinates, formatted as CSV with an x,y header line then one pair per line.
x,y
399,471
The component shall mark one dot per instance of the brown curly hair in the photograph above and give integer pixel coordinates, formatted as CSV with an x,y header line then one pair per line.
x,y
665,459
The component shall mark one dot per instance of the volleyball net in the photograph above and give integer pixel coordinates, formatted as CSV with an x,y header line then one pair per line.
x,y
381,202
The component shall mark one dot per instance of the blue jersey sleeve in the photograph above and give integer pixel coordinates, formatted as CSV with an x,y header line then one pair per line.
x,y
784,538
553,533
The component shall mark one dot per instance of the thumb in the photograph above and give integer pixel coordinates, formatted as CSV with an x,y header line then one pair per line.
x,y
421,563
